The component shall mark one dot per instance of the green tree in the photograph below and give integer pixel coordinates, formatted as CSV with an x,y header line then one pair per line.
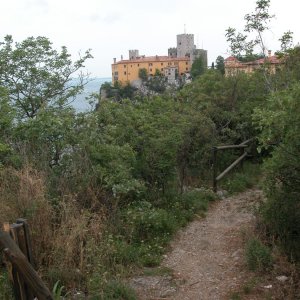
x,y
198,67
143,74
119,91
256,23
279,123
7,115
157,83
37,76
220,64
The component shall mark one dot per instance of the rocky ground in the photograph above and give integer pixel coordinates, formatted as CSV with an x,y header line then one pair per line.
x,y
207,260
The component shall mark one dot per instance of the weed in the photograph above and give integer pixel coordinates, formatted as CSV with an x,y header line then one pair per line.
x,y
248,287
115,290
57,290
5,288
243,179
159,271
258,256
235,296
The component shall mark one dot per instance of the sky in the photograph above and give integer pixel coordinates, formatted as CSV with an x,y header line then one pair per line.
x,y
111,28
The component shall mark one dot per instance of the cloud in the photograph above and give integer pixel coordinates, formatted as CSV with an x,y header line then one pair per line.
x,y
109,18
39,6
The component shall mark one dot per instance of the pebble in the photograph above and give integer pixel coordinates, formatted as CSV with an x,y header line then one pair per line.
x,y
282,278
268,286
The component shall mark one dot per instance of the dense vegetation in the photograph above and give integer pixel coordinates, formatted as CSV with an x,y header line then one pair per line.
x,y
105,190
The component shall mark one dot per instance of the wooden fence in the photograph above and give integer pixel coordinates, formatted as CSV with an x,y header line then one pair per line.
x,y
16,245
244,153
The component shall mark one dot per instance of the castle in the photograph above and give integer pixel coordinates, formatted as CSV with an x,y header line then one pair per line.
x,y
178,62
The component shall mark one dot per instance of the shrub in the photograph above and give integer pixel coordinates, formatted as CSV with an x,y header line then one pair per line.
x,y
258,256
243,179
147,222
197,200
115,290
5,288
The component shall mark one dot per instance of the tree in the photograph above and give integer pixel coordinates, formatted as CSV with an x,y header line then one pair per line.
x,y
118,91
143,74
256,22
7,115
37,76
157,83
279,123
220,64
198,67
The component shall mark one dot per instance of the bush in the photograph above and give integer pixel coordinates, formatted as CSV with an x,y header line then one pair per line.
x,y
279,121
147,222
5,287
258,256
243,179
197,200
115,290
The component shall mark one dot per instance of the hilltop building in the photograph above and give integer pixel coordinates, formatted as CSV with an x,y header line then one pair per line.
x,y
234,66
178,62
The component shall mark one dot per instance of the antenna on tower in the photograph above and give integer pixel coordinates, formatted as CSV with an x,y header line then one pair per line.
x,y
184,28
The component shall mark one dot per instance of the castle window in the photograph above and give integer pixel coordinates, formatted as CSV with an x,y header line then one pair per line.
x,y
124,66
162,69
125,73
186,69
150,70
150,64
162,64
186,63
138,65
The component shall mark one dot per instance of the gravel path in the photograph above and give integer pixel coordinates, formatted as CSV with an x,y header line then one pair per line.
x,y
207,257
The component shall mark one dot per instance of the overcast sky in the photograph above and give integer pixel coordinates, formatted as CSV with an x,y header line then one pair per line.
x,y
111,28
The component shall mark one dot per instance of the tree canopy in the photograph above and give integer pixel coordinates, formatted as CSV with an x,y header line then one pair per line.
x,y
198,67
37,76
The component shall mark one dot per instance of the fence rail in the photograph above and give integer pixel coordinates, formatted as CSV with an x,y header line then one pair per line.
x,y
15,243
244,153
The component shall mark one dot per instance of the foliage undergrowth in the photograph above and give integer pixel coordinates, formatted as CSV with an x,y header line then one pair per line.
x,y
243,178
5,288
258,256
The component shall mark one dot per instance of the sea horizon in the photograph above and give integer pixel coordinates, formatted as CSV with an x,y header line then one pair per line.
x,y
93,86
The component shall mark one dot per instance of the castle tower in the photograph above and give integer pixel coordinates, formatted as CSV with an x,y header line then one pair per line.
x,y
133,54
185,45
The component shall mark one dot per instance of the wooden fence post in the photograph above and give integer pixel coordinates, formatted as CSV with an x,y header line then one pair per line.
x,y
20,288
16,244
23,268
215,150
243,155
27,240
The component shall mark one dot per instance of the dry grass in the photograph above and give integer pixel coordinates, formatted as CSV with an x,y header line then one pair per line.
x,y
60,232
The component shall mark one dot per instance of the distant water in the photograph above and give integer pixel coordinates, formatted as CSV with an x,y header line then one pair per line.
x,y
80,103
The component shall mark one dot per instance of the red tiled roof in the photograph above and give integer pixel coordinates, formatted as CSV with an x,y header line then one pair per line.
x,y
271,59
153,59
231,58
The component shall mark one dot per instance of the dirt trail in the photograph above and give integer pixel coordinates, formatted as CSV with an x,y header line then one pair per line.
x,y
207,257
